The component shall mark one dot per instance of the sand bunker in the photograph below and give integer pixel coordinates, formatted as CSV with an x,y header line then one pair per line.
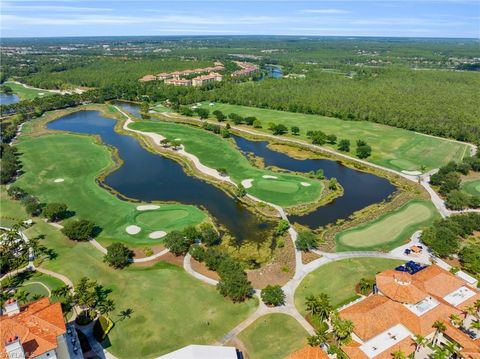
x,y
268,176
133,229
147,207
157,234
177,139
247,183
58,180
305,184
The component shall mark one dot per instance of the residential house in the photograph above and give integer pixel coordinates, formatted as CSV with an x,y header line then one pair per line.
x,y
406,305
178,82
205,79
36,330
147,78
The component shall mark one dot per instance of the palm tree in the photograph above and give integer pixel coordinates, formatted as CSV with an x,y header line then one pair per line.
x,y
62,291
325,308
451,348
312,304
420,342
440,353
398,354
125,314
475,324
456,319
21,296
318,339
364,285
107,307
439,327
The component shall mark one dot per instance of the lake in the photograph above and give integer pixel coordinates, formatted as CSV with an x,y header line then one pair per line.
x,y
8,99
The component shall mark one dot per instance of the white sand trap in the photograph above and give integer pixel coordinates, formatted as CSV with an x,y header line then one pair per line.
x,y
133,229
157,234
247,183
177,139
41,93
58,180
268,176
147,207
305,184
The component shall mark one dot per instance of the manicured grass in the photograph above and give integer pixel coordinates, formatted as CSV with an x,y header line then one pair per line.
x,y
171,309
338,279
11,212
472,187
390,230
27,93
33,286
391,147
79,160
216,152
273,336
161,108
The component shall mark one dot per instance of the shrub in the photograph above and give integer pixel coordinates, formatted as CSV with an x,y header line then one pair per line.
x,y
209,235
16,192
273,295
257,124
176,242
282,226
102,327
78,230
344,145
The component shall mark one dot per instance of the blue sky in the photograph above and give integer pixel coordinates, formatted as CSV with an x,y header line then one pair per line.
x,y
419,18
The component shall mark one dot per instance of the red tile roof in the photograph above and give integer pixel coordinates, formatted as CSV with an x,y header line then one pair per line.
x,y
308,352
37,325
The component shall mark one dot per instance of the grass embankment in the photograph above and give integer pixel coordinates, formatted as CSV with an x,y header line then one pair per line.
x,y
79,160
38,284
273,336
472,187
338,279
26,93
391,147
215,152
170,308
389,230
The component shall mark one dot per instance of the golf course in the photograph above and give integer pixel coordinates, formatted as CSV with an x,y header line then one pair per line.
x,y
215,152
27,93
472,187
389,230
338,279
63,168
392,147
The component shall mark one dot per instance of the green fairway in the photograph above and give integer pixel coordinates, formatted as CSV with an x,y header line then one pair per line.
x,y
338,279
26,93
391,147
472,187
78,160
216,152
389,230
161,108
169,306
38,284
273,336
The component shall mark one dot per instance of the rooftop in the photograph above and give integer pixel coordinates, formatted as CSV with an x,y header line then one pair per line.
x,y
385,340
37,326
459,296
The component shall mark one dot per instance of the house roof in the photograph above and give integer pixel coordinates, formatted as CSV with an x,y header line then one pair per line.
x,y
202,352
400,286
308,352
37,326
470,348
406,345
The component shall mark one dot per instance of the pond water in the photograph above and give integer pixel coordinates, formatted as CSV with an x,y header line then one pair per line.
x,y
360,189
8,99
148,177
133,108
274,71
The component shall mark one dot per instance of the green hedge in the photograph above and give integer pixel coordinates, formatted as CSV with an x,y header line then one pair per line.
x,y
102,327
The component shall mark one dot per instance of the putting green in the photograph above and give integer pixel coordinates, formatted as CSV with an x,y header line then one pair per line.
x,y
273,336
216,152
388,231
392,147
472,187
79,160
275,185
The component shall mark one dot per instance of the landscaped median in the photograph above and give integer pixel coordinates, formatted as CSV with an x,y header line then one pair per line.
x,y
63,168
389,230
283,189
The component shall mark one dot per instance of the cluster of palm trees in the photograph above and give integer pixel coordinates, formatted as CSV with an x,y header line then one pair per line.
x,y
329,327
